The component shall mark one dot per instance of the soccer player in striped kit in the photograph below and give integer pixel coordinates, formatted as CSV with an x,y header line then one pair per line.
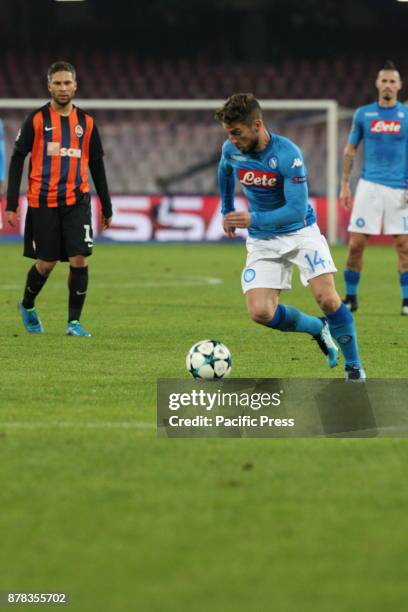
x,y
381,199
282,232
63,142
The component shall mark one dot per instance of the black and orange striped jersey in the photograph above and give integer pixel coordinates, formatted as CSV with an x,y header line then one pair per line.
x,y
61,149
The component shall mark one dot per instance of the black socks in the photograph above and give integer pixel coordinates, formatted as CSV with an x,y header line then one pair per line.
x,y
78,284
34,284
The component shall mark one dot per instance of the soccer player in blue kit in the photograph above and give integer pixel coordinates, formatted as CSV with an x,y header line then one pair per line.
x,y
282,231
381,196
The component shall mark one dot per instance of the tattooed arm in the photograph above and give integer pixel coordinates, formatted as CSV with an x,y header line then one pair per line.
x,y
345,191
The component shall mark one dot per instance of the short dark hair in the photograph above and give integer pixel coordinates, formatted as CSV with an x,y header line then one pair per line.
x,y
60,66
389,65
239,108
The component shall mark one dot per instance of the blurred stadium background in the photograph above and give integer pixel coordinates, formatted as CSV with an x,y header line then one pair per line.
x,y
93,503
170,50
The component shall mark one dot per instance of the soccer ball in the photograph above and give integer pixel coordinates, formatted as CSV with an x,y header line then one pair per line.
x,y
209,359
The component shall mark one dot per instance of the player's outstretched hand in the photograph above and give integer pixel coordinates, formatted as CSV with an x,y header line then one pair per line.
x,y
12,217
106,222
346,199
239,219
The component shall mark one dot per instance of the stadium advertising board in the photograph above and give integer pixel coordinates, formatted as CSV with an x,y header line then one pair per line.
x,y
175,218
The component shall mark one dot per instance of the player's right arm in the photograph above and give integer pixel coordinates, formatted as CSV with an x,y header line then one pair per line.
x,y
226,184
355,136
22,146
346,198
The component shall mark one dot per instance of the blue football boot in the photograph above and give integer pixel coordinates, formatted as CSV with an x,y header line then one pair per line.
x,y
30,319
327,345
75,329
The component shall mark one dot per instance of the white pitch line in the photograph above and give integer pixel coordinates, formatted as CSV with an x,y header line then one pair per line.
x,y
192,282
76,425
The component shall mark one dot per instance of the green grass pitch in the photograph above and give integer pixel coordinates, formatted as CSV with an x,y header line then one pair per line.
x,y
94,504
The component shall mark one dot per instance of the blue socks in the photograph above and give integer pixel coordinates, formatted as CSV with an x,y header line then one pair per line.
x,y
404,285
343,330
341,325
351,280
289,319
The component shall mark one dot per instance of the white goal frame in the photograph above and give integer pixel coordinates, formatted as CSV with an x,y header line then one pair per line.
x,y
330,107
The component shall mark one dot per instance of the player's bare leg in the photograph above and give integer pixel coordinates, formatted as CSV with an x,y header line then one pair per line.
x,y
78,286
45,267
264,308
356,246
340,322
354,265
325,294
262,304
401,245
36,278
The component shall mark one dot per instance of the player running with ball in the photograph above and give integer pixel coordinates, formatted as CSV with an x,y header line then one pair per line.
x,y
282,231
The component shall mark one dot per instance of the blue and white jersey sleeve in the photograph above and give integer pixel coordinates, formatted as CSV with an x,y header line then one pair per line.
x,y
357,129
226,181
295,209
2,153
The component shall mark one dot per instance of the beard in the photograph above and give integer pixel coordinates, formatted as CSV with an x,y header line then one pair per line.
x,y
62,100
252,146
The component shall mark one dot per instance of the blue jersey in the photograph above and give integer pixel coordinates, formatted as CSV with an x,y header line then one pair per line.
x,y
384,132
274,182
2,154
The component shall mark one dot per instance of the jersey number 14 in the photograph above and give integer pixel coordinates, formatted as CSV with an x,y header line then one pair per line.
x,y
317,261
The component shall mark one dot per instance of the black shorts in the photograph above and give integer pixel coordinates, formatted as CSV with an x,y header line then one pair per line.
x,y
55,234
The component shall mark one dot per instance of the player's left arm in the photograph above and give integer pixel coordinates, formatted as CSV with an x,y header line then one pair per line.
x,y
295,193
97,168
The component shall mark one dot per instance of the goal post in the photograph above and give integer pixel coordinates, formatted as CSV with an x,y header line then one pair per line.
x,y
328,114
